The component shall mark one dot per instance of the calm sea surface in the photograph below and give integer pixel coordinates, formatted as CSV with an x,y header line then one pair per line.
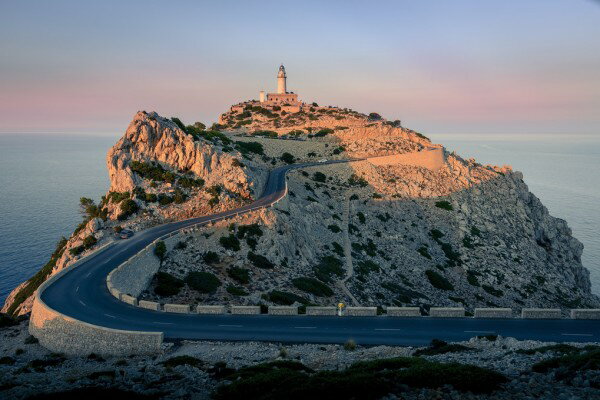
x,y
43,177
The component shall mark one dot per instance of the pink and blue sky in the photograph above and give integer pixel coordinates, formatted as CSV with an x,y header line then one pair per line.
x,y
530,66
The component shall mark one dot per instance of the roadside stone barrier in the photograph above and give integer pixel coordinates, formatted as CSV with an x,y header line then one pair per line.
x,y
361,311
321,311
447,312
200,309
150,305
283,310
493,313
589,313
177,308
403,312
129,299
245,310
541,313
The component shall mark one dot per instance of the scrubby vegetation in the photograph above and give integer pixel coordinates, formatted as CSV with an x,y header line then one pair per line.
x,y
312,286
362,380
167,284
285,298
203,282
238,274
440,347
444,205
438,281
160,250
328,266
230,242
260,261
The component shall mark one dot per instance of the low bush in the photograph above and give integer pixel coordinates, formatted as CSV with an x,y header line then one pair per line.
x,y
287,158
361,217
236,291
338,249
492,290
230,242
569,365
328,266
440,347
203,282
260,261
251,230
238,274
247,148
210,257
438,281
356,180
350,345
128,208
319,177
334,228
167,284
313,286
444,205
160,250
285,298
424,252
558,348
6,320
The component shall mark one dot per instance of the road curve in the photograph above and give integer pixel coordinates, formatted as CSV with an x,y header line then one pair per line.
x,y
81,293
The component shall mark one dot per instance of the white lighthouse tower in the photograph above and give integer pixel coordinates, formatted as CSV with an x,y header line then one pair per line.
x,y
281,78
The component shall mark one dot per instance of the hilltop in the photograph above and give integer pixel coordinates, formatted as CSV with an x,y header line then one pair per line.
x,y
412,224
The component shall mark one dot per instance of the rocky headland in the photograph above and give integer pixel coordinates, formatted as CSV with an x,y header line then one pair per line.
x,y
409,224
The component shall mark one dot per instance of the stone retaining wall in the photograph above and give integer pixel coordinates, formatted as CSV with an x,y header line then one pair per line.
x,y
283,310
150,305
245,310
177,308
403,312
361,311
493,313
321,311
200,309
590,313
447,312
541,313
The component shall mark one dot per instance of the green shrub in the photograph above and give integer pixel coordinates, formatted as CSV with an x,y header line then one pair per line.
x,y
472,278
89,241
164,199
361,217
241,275
285,298
356,180
440,347
558,348
77,250
210,257
570,364
260,261
334,228
319,177
328,266
444,205
249,230
424,252
6,321
323,132
493,291
338,249
366,267
189,182
287,158
152,171
312,286
230,242
116,197
180,245
438,281
249,147
128,208
6,360
167,284
160,250
151,198
350,345
236,291
203,282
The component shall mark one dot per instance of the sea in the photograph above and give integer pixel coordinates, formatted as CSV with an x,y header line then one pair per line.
x,y
43,176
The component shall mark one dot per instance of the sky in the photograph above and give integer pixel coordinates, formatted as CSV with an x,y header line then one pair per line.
x,y
520,66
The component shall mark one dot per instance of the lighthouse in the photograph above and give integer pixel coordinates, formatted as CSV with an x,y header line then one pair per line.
x,y
281,78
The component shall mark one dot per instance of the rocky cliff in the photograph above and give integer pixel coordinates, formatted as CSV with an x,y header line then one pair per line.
x,y
410,224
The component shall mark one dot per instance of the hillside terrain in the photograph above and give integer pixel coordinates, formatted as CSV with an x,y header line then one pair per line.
x,y
407,223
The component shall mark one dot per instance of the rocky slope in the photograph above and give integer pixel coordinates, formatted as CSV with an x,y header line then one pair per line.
x,y
196,369
419,226
158,172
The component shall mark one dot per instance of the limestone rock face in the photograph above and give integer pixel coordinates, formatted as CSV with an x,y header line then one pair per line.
x,y
150,137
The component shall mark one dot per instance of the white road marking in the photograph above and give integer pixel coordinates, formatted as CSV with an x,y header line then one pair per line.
x,y
479,332
305,327
164,323
232,326
77,289
85,305
88,274
577,334
387,329
108,315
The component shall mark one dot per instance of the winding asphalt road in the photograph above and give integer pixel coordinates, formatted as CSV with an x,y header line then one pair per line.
x,y
81,293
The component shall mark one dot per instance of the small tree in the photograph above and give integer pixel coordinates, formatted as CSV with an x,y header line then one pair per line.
x,y
160,250
287,158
